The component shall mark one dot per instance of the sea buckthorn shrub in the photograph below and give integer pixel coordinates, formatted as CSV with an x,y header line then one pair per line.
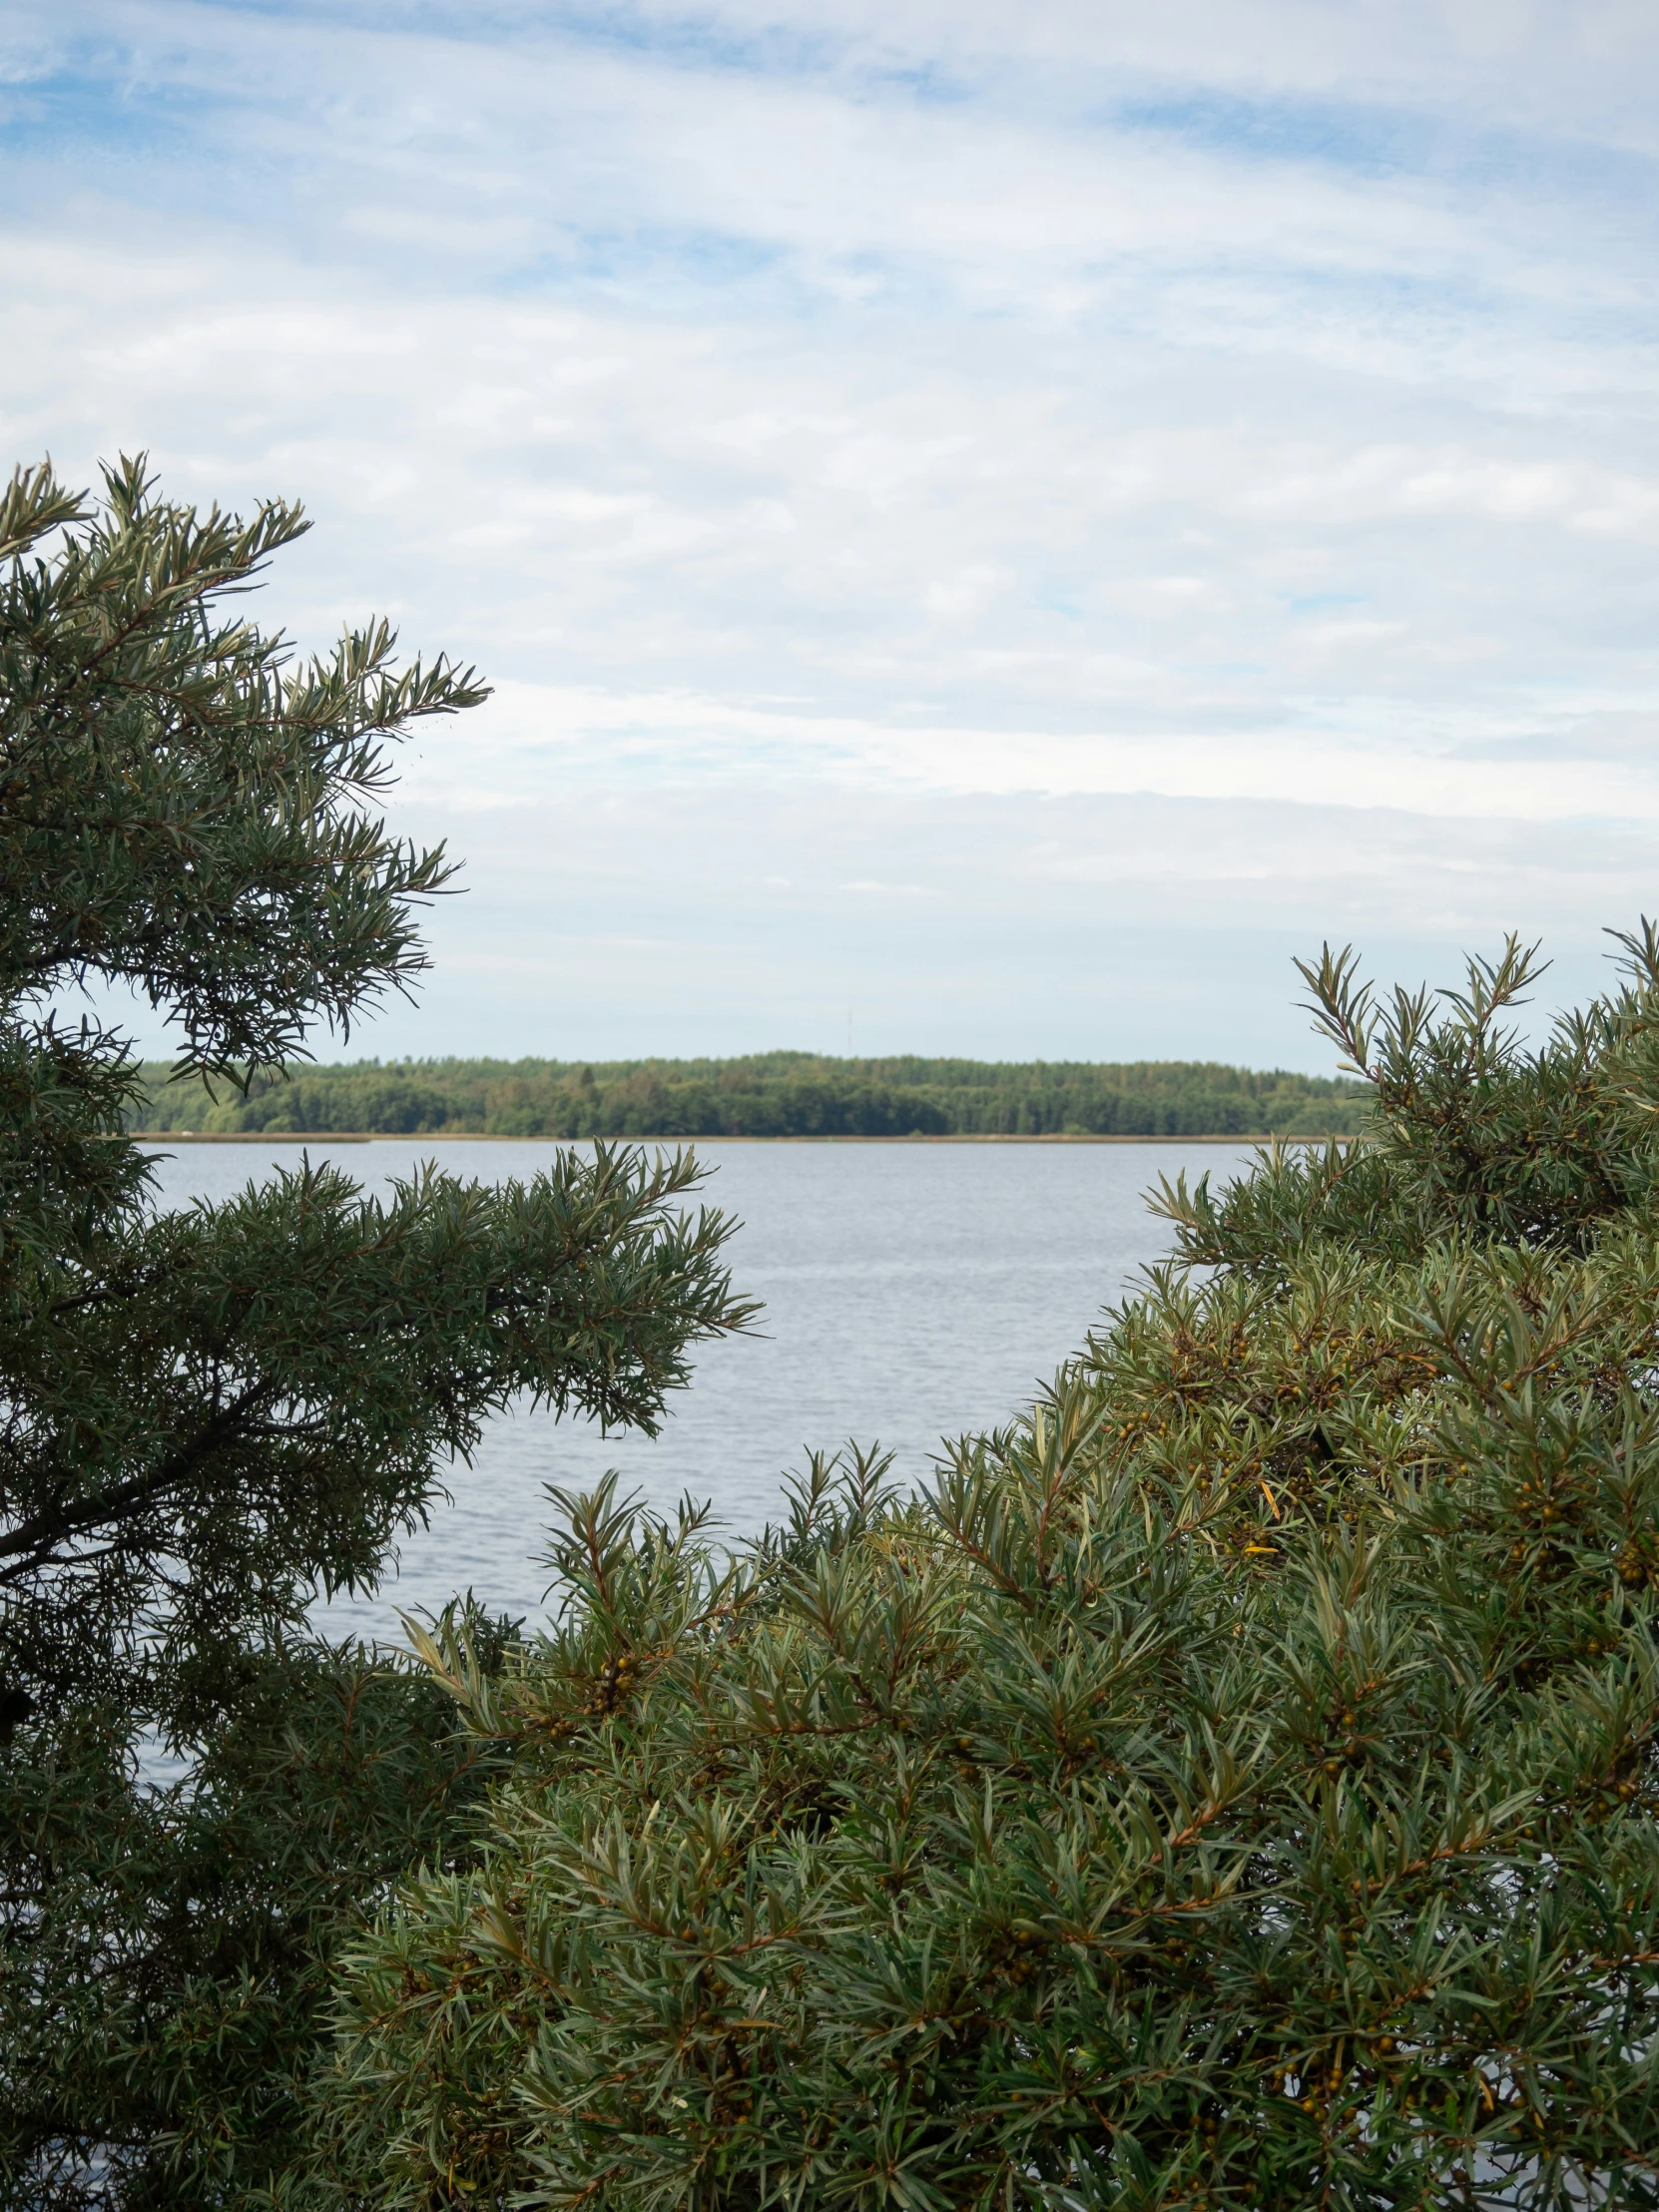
x,y
212,1414
1234,1784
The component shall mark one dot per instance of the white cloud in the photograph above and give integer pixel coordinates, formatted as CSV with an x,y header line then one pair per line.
x,y
1233,422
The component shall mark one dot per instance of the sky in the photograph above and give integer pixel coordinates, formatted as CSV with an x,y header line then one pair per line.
x,y
993,523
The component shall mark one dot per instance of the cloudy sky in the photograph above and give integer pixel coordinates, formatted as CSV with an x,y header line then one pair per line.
x,y
996,519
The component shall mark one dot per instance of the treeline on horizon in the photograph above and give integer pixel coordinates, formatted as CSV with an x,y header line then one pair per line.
x,y
766,1094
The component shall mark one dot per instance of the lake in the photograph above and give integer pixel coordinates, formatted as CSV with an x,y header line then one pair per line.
x,y
911,1292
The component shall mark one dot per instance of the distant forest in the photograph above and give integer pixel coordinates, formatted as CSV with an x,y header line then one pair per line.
x,y
768,1094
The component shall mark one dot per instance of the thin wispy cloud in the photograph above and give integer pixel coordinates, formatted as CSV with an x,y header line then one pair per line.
x,y
1189,482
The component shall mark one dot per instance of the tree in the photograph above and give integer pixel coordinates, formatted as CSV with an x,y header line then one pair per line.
x,y
206,1418
1235,1785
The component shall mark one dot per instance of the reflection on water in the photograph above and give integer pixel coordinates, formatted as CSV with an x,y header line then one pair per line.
x,y
911,1291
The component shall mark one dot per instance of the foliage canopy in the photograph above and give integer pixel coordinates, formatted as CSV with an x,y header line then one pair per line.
x,y
770,1094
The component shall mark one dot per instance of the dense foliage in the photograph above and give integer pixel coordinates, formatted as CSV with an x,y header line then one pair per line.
x,y
167,1950
770,1094
205,1418
1235,1785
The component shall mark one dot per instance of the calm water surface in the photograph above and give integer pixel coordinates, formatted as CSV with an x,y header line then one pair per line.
x,y
911,1292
